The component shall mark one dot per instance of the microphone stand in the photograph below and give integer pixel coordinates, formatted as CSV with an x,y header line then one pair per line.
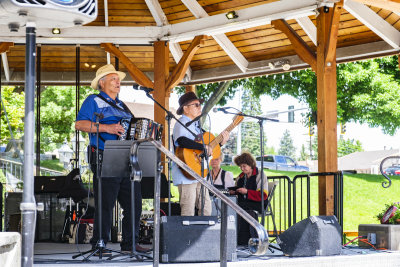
x,y
260,122
168,118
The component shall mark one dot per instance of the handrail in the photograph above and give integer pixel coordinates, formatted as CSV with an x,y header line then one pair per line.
x,y
41,168
257,246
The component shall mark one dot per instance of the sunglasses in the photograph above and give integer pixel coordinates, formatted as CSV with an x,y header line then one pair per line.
x,y
195,104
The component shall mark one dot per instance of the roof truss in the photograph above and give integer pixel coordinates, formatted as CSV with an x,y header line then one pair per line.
x,y
374,22
223,41
184,31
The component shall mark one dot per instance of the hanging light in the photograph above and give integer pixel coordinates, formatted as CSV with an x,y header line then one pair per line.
x,y
231,15
56,31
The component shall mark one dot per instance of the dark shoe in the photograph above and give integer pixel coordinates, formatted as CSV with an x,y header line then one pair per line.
x,y
137,248
142,249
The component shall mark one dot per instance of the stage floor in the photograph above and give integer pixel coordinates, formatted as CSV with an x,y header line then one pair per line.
x,y
60,254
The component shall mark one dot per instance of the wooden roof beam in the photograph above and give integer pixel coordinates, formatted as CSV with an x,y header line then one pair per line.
x,y
5,66
134,71
392,5
247,18
223,41
157,12
330,52
298,44
161,20
309,28
180,69
5,46
374,22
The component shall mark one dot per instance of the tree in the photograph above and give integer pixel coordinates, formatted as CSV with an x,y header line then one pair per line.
x,y
14,105
286,146
250,130
367,91
304,154
57,113
348,146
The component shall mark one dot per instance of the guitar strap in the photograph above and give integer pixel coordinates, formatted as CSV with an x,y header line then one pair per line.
x,y
223,178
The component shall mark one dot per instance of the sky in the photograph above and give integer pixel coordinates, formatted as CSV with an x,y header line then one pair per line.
x,y
371,138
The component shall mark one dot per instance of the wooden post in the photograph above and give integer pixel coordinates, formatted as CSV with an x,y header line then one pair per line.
x,y
327,26
190,88
161,93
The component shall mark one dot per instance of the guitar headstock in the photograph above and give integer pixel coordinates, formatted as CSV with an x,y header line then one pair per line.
x,y
237,119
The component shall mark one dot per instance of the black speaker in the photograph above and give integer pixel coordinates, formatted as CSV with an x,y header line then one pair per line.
x,y
194,239
314,236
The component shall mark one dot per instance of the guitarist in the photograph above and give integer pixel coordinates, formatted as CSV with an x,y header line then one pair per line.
x,y
190,195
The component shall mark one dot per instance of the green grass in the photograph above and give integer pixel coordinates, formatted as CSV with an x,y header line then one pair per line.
x,y
53,164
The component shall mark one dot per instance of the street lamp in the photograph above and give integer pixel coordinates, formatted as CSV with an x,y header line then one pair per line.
x,y
65,154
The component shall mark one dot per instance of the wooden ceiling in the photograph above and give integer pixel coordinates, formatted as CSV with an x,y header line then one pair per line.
x,y
235,48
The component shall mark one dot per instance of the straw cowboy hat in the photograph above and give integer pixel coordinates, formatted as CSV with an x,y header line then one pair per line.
x,y
186,99
103,71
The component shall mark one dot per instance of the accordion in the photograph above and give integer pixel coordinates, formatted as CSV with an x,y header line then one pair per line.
x,y
141,128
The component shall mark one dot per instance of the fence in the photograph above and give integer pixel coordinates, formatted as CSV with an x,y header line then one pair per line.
x,y
15,169
293,199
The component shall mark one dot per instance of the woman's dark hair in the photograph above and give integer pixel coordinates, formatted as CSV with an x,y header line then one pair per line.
x,y
245,158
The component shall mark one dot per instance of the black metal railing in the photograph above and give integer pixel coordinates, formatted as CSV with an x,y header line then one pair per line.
x,y
292,201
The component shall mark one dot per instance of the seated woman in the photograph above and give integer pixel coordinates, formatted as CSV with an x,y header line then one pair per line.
x,y
221,179
249,194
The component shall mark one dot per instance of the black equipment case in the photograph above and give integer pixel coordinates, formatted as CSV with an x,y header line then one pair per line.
x,y
195,239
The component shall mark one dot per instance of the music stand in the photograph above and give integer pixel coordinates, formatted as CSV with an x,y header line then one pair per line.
x,y
133,159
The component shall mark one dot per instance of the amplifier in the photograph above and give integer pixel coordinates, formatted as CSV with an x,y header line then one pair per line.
x,y
194,239
380,235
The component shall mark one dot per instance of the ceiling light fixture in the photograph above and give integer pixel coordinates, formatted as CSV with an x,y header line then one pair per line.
x,y
86,65
284,63
56,31
231,15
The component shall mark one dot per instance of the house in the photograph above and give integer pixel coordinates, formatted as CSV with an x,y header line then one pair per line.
x,y
365,161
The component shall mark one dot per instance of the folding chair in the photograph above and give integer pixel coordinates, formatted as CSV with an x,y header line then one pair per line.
x,y
268,209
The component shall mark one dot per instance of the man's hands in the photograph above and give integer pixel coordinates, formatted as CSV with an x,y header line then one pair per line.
x,y
113,128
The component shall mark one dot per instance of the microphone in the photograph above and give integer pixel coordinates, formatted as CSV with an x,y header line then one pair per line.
x,y
195,119
100,116
221,109
143,88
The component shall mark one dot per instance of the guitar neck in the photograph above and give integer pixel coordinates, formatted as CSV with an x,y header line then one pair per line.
x,y
218,139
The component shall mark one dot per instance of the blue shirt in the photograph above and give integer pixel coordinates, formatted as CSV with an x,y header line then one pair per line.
x,y
179,131
112,115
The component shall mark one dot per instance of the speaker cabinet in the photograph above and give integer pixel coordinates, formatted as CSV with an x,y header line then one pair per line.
x,y
314,236
194,239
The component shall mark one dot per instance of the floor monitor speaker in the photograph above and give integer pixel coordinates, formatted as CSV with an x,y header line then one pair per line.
x,y
314,236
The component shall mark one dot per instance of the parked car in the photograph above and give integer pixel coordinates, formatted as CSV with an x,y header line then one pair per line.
x,y
281,163
392,170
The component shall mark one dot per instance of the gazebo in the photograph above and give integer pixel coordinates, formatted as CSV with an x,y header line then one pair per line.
x,y
163,44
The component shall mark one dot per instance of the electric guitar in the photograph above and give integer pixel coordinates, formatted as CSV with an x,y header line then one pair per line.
x,y
192,156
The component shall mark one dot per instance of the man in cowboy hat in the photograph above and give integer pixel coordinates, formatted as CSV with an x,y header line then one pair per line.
x,y
190,195
108,110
